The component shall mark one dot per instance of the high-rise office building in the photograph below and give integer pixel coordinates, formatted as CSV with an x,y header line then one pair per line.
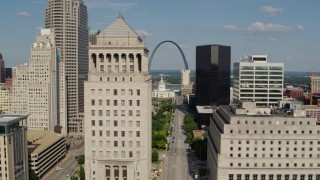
x,y
70,21
2,70
246,142
256,79
213,75
35,85
13,147
118,106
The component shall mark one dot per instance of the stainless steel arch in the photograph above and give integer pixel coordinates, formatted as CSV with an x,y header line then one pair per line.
x,y
181,52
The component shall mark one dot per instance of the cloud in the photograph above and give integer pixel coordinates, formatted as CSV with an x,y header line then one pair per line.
x,y
26,14
300,27
143,33
107,4
269,27
271,10
230,27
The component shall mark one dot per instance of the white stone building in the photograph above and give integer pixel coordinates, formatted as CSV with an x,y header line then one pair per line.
x,y
256,79
118,106
162,92
35,85
249,143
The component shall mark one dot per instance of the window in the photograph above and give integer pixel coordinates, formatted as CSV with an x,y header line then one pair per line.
x,y
138,123
138,92
123,92
115,123
122,154
93,112
92,102
115,102
130,123
123,134
107,92
130,102
130,113
93,133
115,143
100,133
100,112
100,92
100,123
92,91
130,92
108,143
122,102
130,154
115,112
137,112
93,122
130,133
138,143
115,133
108,133
115,92
100,102
138,102
123,112
107,102
108,123
138,133
107,112
123,123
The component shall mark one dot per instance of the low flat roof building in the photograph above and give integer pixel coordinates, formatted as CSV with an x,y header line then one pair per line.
x,y
246,142
13,147
45,150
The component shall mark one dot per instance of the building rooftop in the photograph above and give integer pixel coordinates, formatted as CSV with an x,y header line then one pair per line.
x,y
204,109
120,28
8,119
38,141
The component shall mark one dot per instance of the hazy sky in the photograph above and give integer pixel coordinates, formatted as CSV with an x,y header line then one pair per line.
x,y
287,30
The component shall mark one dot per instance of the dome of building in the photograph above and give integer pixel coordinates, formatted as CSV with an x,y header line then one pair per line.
x,y
161,85
93,32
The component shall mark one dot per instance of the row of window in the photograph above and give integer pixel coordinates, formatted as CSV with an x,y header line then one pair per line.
x,y
115,102
272,155
115,143
116,154
115,113
262,122
115,133
116,92
273,132
274,142
115,123
274,177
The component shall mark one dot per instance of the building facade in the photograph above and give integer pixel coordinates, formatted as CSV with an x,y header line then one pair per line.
x,y
35,85
13,147
213,75
70,21
118,106
4,98
45,150
247,143
255,79
2,70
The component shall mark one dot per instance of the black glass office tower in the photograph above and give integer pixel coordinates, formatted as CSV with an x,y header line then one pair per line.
x,y
213,75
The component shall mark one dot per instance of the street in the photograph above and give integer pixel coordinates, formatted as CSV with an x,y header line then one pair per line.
x,y
178,163
68,165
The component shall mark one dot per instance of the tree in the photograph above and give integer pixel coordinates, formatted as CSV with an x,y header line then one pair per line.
x,y
33,175
73,178
80,159
81,173
155,155
200,148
